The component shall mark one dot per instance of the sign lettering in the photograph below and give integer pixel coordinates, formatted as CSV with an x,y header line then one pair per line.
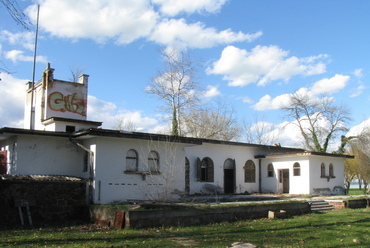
x,y
58,102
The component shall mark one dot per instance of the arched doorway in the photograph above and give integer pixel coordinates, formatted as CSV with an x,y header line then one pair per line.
x,y
229,176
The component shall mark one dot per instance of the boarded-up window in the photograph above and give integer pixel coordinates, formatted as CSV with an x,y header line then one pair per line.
x,y
249,172
296,169
131,160
153,161
205,170
270,170
3,162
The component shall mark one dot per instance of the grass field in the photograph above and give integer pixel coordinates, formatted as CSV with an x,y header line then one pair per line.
x,y
356,192
336,228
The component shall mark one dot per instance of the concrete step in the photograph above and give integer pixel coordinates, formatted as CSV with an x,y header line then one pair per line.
x,y
319,206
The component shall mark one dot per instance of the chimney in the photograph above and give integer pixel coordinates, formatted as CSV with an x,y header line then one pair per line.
x,y
83,79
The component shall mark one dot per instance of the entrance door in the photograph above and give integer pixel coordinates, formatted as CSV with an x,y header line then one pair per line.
x,y
283,186
229,176
3,163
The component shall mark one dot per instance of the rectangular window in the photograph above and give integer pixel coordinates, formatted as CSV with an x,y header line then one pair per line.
x,y
70,129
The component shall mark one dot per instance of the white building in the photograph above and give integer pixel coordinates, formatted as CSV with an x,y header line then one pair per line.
x,y
120,166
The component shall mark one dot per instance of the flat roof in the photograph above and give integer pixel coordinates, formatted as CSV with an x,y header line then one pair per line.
x,y
272,151
61,119
305,153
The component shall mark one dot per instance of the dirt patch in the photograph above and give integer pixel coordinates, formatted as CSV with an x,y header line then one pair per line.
x,y
184,241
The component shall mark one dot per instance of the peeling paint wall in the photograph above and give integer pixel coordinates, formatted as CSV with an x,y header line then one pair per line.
x,y
46,156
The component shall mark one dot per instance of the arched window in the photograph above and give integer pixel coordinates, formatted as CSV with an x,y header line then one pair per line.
x,y
296,169
270,170
153,161
205,170
322,170
131,160
249,172
331,170
229,164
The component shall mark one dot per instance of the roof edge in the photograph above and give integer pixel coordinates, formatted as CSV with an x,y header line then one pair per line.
x,y
305,153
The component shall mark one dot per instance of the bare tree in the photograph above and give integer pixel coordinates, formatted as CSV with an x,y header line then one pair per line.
x,y
359,168
260,131
318,119
217,121
123,124
350,172
176,85
75,73
162,171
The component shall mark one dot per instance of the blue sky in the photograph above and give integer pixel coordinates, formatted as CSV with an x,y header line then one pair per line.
x,y
253,54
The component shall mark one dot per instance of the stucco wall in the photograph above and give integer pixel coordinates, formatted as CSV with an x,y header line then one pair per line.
x,y
41,155
297,184
113,183
219,154
319,185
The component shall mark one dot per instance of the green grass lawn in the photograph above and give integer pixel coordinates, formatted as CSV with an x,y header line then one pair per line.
x,y
356,192
336,228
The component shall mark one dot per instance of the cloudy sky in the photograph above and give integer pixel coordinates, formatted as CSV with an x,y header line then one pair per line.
x,y
253,54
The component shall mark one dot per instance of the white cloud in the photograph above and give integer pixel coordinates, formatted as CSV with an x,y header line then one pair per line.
x,y
288,134
284,133
12,91
330,85
99,110
357,91
247,99
269,103
360,128
25,39
178,33
358,73
263,64
324,86
174,7
126,21
212,91
17,55
123,21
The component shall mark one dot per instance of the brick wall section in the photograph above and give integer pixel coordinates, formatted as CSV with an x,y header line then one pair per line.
x,y
352,203
338,204
50,200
